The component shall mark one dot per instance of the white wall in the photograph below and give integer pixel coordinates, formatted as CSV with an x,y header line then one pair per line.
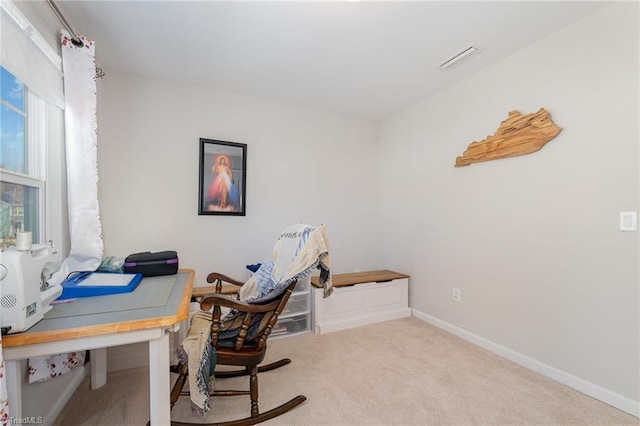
x,y
302,166
532,241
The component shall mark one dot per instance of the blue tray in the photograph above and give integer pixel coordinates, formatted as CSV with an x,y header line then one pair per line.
x,y
89,284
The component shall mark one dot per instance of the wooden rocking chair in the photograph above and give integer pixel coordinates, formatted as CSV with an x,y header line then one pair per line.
x,y
240,352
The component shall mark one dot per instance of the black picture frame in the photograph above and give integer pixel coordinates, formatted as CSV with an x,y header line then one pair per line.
x,y
222,178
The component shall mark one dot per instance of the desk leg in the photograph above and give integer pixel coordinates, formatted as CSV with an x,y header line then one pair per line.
x,y
14,387
159,381
98,368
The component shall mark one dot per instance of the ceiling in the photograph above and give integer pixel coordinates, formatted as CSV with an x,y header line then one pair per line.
x,y
362,59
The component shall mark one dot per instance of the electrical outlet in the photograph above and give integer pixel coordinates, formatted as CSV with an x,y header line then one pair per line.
x,y
628,221
456,295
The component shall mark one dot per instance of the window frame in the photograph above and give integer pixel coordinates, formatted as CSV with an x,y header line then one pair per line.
x,y
36,141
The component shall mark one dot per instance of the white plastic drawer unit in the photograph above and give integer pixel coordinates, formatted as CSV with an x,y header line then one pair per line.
x,y
303,285
296,316
291,325
357,301
298,303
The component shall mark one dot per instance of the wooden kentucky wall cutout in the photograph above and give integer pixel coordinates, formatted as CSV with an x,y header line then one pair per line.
x,y
517,135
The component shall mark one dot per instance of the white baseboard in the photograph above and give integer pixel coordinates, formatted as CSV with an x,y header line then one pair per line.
x,y
605,395
362,320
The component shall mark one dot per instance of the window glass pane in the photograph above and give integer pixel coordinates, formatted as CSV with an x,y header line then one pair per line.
x,y
13,141
18,212
13,146
11,89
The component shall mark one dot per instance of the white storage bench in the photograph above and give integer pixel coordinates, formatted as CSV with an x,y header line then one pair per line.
x,y
360,298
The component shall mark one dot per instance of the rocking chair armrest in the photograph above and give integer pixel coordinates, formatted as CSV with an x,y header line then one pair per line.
x,y
200,291
220,300
214,276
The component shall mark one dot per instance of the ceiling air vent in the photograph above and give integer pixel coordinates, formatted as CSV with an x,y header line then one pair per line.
x,y
461,56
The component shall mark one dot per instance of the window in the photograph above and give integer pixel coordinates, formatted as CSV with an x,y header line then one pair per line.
x,y
22,144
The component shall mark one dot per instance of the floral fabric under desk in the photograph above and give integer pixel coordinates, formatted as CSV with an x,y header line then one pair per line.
x,y
46,368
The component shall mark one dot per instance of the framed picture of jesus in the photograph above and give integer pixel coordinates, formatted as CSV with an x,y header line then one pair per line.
x,y
222,178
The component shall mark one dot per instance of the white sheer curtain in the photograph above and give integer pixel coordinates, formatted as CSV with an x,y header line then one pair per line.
x,y
85,227
81,140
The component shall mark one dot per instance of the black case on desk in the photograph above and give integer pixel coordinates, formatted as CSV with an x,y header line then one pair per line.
x,y
152,264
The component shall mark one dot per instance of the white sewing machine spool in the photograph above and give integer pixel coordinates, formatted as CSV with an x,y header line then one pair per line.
x,y
25,292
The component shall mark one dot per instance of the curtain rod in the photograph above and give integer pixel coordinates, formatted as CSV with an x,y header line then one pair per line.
x,y
74,37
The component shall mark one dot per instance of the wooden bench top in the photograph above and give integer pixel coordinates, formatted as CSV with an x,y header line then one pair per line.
x,y
344,280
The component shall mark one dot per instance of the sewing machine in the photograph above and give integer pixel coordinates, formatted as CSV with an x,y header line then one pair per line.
x,y
25,291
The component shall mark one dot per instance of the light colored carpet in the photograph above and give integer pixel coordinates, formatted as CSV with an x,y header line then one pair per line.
x,y
401,372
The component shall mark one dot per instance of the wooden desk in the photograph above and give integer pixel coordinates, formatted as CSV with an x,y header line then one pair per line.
x,y
54,335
